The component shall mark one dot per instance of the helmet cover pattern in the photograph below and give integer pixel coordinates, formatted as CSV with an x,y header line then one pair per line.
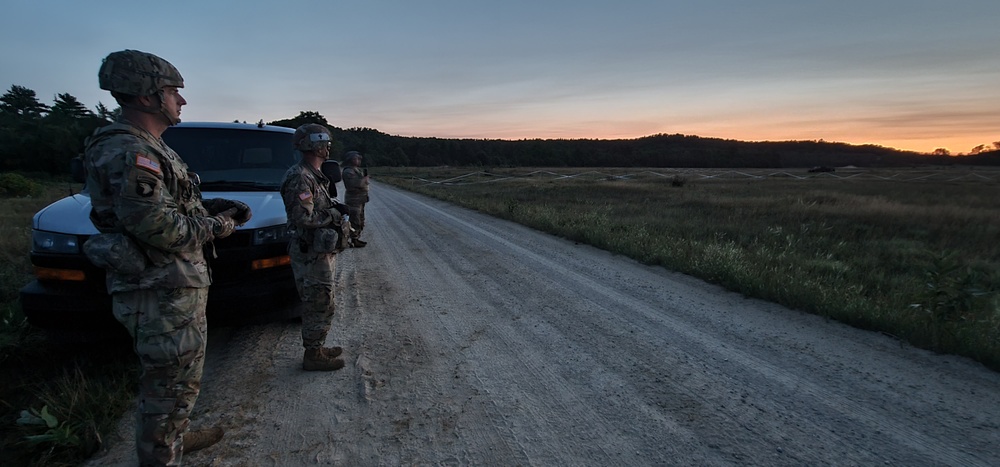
x,y
311,136
137,73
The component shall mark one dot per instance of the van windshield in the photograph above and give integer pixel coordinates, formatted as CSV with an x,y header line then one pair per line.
x,y
234,159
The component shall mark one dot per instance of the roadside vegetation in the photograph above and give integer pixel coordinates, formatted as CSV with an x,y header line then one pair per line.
x,y
918,260
56,399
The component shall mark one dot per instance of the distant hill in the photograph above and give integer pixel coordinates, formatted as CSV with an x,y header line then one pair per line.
x,y
650,151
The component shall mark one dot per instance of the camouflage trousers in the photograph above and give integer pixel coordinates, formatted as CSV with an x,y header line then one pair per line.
x,y
357,213
314,282
169,331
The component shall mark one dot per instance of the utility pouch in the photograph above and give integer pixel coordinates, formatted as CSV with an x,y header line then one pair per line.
x,y
158,257
325,240
115,252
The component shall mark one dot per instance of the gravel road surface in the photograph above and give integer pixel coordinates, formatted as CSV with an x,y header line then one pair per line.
x,y
475,341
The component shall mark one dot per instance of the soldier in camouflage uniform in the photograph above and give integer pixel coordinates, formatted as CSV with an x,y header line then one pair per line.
x,y
356,187
315,220
150,212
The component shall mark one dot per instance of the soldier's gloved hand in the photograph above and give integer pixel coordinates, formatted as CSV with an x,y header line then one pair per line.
x,y
223,225
341,208
243,213
335,218
217,205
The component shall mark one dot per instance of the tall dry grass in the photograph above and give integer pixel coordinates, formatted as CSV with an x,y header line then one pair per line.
x,y
917,259
15,265
84,388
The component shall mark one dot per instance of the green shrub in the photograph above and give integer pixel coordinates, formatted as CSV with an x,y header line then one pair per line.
x,y
14,185
49,428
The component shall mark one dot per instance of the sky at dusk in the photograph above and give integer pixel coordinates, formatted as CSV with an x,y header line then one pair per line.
x,y
908,74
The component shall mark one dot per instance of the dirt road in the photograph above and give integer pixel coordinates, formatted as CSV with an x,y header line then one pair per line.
x,y
473,341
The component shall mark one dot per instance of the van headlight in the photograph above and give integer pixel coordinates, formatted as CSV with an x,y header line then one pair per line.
x,y
51,242
275,234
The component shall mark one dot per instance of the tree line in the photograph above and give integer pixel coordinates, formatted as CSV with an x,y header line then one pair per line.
x,y
36,137
40,138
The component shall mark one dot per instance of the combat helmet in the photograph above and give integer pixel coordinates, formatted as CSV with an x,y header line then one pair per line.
x,y
350,155
311,136
136,73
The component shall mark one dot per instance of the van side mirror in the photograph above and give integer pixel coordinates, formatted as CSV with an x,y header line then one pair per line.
x,y
76,169
331,169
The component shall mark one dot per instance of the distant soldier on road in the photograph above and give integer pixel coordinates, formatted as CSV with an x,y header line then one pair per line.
x,y
315,220
356,186
154,231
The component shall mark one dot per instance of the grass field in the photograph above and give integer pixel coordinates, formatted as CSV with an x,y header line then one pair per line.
x,y
912,253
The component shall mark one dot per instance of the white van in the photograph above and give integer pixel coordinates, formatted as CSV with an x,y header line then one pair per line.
x,y
251,277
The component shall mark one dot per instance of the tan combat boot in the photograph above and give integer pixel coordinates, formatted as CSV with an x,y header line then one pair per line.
x,y
332,352
201,439
317,360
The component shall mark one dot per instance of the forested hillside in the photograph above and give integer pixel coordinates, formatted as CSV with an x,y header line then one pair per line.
x,y
651,151
39,138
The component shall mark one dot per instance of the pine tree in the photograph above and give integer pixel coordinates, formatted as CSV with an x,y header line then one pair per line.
x,y
22,102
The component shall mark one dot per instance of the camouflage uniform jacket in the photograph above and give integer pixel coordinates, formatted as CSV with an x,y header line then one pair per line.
x,y
356,187
308,203
141,187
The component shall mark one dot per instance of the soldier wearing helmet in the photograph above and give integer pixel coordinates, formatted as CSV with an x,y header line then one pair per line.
x,y
135,77
144,200
355,195
315,219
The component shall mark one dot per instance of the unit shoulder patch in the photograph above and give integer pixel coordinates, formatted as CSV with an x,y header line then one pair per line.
x,y
145,187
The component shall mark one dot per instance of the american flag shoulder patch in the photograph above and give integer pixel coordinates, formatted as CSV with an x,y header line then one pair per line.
x,y
142,161
305,195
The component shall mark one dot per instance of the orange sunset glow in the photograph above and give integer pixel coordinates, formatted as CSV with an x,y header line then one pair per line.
x,y
888,73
